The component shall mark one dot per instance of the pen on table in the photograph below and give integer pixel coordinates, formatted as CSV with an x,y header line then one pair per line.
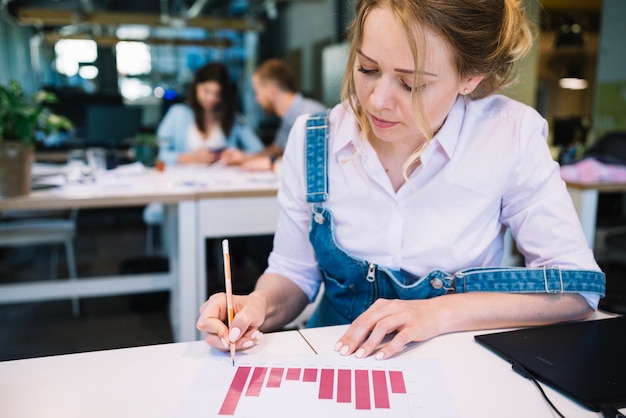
x,y
229,292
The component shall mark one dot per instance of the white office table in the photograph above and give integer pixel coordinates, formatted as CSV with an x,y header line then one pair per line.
x,y
164,380
482,384
200,202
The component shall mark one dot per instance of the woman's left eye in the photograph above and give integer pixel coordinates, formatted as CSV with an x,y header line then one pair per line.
x,y
410,88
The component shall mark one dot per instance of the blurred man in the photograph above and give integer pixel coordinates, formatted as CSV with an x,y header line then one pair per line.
x,y
275,92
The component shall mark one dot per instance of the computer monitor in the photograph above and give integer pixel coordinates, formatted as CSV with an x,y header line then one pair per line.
x,y
111,126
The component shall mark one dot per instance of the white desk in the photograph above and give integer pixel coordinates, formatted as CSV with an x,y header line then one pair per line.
x,y
482,384
151,382
163,380
201,202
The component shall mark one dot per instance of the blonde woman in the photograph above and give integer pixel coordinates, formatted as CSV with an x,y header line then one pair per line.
x,y
399,199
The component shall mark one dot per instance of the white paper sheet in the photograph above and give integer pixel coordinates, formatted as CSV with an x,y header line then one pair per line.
x,y
266,390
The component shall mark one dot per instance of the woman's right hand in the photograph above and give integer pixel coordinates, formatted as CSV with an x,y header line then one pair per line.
x,y
249,314
232,156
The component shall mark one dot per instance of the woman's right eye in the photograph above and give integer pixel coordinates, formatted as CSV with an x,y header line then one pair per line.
x,y
364,70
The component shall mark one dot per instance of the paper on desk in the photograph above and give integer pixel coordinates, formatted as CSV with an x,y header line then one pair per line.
x,y
318,386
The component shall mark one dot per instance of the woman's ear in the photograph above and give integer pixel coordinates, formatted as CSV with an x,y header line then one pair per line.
x,y
469,84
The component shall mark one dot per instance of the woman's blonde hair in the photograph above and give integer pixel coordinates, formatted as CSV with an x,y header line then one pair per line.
x,y
486,37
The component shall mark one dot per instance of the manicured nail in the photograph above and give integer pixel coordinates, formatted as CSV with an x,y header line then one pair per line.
x,y
338,346
379,355
224,343
234,334
256,335
344,350
360,352
248,344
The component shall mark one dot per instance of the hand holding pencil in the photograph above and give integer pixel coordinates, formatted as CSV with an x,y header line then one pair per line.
x,y
229,293
231,322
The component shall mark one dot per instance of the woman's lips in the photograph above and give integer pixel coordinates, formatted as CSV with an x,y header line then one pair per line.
x,y
381,123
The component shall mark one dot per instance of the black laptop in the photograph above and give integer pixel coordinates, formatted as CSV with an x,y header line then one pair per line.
x,y
584,360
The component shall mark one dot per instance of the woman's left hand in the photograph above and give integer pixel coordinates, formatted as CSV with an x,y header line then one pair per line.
x,y
411,320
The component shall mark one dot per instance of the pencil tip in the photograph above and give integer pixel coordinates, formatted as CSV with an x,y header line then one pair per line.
x,y
233,362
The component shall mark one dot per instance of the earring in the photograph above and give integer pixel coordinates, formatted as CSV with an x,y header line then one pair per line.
x,y
465,90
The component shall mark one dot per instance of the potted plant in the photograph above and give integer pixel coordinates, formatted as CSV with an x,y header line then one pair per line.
x,y
146,148
22,117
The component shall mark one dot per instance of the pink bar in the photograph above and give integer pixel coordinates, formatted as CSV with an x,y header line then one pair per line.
x,y
256,381
310,375
293,374
344,386
327,378
381,396
362,389
234,392
276,374
397,382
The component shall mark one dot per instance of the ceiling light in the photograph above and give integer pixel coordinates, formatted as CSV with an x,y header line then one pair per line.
x,y
573,79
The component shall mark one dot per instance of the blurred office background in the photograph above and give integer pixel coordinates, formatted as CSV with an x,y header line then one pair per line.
x,y
130,60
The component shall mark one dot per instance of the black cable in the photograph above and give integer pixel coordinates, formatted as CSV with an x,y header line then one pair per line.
x,y
611,412
523,372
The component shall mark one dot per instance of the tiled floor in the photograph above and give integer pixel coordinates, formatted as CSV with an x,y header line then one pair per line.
x,y
104,240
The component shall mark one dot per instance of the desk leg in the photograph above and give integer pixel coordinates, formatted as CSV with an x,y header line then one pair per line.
x,y
586,204
182,227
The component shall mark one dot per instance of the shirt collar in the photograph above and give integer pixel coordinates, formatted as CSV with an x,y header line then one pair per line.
x,y
347,133
446,138
448,135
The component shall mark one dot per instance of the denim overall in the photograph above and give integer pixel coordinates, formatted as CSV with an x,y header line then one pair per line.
x,y
352,285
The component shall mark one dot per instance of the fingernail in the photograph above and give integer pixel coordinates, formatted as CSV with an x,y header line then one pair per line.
x,y
338,346
344,350
379,355
224,343
360,352
234,334
248,344
256,335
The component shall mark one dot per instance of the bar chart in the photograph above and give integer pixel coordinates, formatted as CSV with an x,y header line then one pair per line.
x,y
328,388
365,389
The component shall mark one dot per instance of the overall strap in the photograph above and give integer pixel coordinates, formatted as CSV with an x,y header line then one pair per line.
x,y
523,280
317,157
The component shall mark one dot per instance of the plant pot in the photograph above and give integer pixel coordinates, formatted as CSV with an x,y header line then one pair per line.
x,y
16,162
146,154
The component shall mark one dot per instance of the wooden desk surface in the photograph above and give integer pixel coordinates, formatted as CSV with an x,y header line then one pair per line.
x,y
601,187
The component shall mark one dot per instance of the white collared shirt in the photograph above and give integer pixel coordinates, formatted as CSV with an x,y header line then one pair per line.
x,y
488,168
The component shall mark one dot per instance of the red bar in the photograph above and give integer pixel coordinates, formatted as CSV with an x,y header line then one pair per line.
x,y
256,381
310,375
293,374
344,386
381,396
276,374
397,382
326,384
362,389
234,392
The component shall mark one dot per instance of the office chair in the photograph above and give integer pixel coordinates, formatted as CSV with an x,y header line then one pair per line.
x,y
24,229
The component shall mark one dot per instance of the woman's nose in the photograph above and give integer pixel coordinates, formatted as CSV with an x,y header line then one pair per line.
x,y
382,96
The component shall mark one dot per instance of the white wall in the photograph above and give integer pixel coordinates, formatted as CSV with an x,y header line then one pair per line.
x,y
308,23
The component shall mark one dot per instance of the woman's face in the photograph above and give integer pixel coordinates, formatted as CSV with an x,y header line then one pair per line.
x,y
209,94
383,75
